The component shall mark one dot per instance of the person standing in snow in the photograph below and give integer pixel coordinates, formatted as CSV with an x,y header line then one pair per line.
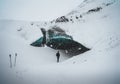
x,y
58,56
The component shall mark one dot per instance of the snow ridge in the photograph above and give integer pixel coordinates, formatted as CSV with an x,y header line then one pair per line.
x,y
94,23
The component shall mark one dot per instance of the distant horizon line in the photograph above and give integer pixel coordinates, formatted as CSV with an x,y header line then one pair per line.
x,y
25,20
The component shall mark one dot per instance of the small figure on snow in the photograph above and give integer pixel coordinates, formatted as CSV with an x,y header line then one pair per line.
x,y
58,56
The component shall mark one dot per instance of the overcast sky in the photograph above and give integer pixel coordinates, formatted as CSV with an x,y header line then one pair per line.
x,y
36,10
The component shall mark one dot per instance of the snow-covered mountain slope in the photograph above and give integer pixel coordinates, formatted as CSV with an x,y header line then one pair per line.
x,y
94,23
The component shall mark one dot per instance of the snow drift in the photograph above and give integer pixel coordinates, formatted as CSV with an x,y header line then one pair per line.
x,y
94,23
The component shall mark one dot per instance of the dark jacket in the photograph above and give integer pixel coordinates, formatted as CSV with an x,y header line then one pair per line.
x,y
58,54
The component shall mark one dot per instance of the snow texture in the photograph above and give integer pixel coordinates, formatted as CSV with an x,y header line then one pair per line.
x,y
94,23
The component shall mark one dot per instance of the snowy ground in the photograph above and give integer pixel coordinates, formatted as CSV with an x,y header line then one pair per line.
x,y
99,31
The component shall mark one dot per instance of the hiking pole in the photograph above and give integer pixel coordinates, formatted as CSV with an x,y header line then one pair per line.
x,y
15,59
10,61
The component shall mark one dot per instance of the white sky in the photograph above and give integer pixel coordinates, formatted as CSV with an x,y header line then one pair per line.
x,y
36,10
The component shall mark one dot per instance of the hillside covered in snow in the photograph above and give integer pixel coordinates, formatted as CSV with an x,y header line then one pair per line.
x,y
94,23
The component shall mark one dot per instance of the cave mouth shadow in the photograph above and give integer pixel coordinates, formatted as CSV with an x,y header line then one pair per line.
x,y
75,52
65,55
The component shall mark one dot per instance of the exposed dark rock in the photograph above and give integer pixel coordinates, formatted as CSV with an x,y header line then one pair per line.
x,y
62,19
32,23
94,10
80,16
71,20
77,17
58,29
